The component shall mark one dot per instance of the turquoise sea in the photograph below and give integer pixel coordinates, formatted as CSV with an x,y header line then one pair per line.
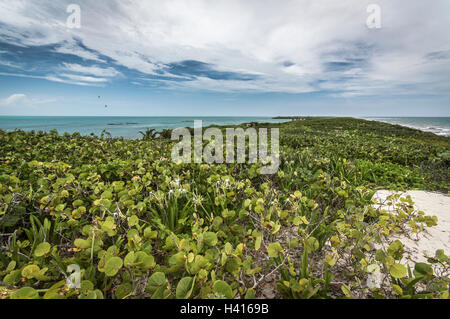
x,y
127,127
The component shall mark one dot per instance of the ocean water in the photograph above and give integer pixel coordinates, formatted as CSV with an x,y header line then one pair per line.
x,y
436,125
127,127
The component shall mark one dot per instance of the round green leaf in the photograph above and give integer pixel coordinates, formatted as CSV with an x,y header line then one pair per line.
x,y
144,261
82,243
221,287
88,295
157,279
11,266
99,294
441,256
274,250
133,221
129,259
53,294
210,239
396,249
42,249
250,294
398,271
30,271
112,266
423,269
123,290
398,290
87,285
184,288
12,277
25,293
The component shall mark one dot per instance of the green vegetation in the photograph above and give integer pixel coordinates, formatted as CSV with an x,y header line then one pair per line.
x,y
140,226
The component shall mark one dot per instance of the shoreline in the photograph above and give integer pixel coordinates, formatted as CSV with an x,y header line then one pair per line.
x,y
129,127
126,127
428,129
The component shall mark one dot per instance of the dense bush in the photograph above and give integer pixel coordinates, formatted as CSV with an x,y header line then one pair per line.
x,y
141,226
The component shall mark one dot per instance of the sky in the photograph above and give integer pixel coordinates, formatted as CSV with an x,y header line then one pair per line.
x,y
224,57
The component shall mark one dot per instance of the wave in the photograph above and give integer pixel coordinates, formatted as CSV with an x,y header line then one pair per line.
x,y
438,126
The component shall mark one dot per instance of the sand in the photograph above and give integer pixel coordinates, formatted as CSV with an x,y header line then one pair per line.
x,y
433,238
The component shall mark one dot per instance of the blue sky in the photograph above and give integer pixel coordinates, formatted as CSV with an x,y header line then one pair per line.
x,y
224,57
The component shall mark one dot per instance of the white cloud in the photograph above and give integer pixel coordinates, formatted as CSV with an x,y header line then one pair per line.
x,y
72,48
54,78
91,70
255,36
14,99
20,99
72,79
11,65
83,78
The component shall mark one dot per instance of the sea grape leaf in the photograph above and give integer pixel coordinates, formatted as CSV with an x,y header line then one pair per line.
x,y
112,266
221,287
25,293
398,271
42,249
184,288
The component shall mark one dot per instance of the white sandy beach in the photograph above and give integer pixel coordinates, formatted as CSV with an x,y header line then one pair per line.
x,y
433,238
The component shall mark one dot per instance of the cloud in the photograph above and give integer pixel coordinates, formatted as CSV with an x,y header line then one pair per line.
x,y
15,99
438,55
83,78
92,70
56,78
20,99
74,48
11,65
296,46
76,80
